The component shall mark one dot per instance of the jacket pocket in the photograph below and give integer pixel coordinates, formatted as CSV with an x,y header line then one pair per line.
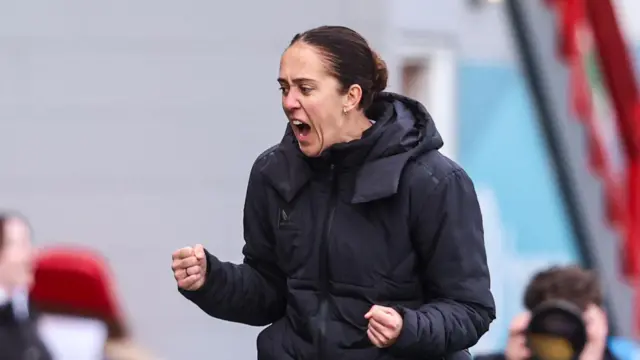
x,y
289,249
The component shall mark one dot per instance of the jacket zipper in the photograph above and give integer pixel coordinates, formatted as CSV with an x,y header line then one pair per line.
x,y
324,265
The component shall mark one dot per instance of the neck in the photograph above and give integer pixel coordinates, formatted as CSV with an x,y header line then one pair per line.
x,y
358,125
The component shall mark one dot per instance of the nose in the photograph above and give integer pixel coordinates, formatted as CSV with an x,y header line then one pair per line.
x,y
290,102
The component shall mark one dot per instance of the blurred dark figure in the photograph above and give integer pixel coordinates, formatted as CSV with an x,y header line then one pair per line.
x,y
81,313
18,334
572,284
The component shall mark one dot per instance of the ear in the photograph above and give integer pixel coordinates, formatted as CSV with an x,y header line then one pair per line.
x,y
352,98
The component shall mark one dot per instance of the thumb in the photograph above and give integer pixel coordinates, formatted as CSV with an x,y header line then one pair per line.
x,y
199,251
369,313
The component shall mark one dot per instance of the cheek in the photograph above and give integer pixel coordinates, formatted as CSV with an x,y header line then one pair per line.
x,y
322,117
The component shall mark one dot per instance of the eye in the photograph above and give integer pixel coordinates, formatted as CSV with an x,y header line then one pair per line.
x,y
305,90
283,90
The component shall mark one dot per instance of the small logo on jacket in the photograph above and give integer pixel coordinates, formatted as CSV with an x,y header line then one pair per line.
x,y
284,218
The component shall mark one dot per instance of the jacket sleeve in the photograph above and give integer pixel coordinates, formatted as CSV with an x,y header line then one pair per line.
x,y
448,236
254,292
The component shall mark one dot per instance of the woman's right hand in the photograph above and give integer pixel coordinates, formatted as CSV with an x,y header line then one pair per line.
x,y
189,267
517,343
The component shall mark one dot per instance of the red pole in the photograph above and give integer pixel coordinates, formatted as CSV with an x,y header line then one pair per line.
x,y
620,80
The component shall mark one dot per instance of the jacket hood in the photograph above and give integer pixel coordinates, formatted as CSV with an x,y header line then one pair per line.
x,y
404,125
403,130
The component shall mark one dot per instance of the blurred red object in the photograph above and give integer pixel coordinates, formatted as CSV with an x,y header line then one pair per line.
x,y
76,281
620,79
598,18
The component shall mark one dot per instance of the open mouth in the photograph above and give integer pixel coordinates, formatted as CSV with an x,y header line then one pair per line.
x,y
302,128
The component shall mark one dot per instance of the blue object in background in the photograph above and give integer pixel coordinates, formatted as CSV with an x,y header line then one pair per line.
x,y
624,349
501,147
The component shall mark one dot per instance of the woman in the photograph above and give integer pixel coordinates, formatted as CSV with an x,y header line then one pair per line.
x,y
362,240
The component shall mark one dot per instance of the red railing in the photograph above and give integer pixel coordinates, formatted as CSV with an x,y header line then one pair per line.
x,y
584,23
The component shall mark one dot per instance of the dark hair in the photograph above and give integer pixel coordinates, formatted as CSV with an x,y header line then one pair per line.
x,y
570,283
349,59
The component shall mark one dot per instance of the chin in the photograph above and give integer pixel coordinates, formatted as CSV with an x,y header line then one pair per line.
x,y
310,150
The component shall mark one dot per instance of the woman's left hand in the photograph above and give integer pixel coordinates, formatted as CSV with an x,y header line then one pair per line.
x,y
385,325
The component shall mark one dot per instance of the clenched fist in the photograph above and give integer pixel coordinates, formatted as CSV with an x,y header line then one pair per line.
x,y
189,267
385,325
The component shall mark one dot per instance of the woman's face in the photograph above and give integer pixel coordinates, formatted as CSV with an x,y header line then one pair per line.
x,y
311,99
16,254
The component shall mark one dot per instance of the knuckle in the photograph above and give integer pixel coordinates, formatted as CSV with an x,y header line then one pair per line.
x,y
185,263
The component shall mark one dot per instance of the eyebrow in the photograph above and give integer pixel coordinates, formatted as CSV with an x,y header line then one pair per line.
x,y
296,80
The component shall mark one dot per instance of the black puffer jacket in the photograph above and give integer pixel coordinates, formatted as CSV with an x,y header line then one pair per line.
x,y
383,220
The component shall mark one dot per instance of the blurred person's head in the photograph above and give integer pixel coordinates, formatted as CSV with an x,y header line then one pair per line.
x,y
87,324
16,252
329,77
571,284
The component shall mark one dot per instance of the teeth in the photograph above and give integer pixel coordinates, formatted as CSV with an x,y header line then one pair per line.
x,y
297,122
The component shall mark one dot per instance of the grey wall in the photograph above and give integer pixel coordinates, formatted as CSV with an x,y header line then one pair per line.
x,y
479,34
130,126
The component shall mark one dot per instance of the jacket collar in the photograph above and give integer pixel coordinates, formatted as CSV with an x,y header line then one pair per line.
x,y
288,172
